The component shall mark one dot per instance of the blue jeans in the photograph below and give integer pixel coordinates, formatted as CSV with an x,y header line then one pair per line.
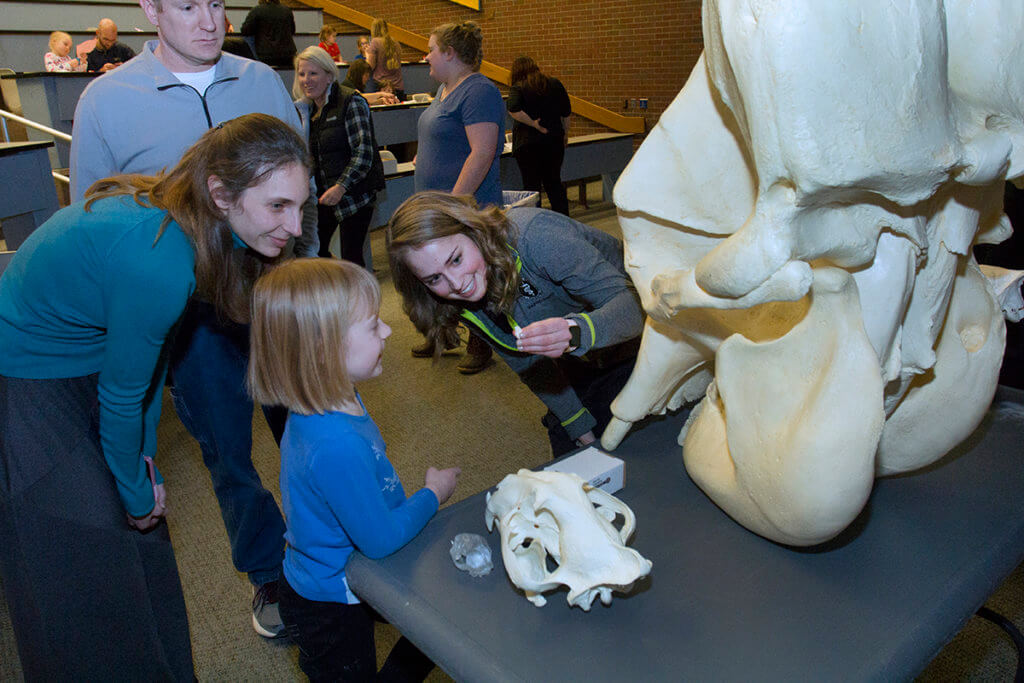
x,y
208,367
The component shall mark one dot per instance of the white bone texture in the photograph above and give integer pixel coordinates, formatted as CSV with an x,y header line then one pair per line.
x,y
558,517
799,226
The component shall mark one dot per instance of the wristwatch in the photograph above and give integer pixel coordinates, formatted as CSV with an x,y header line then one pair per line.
x,y
574,336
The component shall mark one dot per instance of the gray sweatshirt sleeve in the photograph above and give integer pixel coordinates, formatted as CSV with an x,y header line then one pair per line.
x,y
551,386
587,265
91,158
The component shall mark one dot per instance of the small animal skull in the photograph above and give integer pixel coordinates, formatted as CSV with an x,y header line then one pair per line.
x,y
556,516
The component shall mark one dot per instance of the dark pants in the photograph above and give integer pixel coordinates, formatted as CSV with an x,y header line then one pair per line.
x,y
352,235
541,167
89,597
208,368
596,390
336,642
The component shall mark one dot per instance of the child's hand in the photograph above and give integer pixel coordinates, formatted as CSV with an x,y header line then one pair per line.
x,y
442,482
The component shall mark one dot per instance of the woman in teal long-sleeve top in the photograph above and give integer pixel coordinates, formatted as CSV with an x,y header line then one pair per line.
x,y
87,306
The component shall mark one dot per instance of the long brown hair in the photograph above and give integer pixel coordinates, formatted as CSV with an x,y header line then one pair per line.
x,y
242,153
526,76
430,215
392,53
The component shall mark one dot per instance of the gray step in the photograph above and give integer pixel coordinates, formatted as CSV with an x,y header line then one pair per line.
x,y
78,16
24,52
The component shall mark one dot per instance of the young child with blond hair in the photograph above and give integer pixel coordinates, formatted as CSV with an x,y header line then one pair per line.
x,y
59,57
316,332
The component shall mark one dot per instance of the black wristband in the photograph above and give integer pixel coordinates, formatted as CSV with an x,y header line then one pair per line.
x,y
574,337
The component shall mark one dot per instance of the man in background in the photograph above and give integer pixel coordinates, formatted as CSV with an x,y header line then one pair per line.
x,y
107,53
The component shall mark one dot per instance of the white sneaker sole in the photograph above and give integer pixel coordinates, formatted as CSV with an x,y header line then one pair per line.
x,y
264,632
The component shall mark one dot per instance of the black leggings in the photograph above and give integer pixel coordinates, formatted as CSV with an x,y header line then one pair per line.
x,y
540,164
353,232
335,642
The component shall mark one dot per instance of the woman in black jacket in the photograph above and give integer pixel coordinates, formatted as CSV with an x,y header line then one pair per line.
x,y
346,164
540,108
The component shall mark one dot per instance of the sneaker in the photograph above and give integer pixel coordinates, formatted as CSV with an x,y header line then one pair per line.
x,y
266,618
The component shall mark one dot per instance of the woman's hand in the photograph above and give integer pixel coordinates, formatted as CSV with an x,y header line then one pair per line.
x,y
153,518
442,482
332,196
536,124
373,98
549,337
586,439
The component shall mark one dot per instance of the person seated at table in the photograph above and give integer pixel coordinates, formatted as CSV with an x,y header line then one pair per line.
x,y
328,42
549,294
316,334
59,57
357,75
362,44
108,53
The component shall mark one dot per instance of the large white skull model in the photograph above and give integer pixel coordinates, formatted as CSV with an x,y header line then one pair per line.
x,y
799,226
556,514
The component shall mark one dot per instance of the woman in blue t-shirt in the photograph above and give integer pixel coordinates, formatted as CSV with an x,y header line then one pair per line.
x,y
460,138
461,134
87,306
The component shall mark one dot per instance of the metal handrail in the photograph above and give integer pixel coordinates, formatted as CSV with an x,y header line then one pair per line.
x,y
38,126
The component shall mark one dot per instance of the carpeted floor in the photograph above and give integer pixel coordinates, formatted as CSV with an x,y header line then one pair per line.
x,y
488,424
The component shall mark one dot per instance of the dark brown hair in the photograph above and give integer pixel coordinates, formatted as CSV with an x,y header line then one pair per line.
x,y
357,71
431,215
242,153
526,76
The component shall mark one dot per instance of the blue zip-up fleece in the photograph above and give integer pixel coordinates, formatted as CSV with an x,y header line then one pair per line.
x,y
139,118
571,270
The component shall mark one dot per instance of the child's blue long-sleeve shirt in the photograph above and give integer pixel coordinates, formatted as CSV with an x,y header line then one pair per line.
x,y
340,493
96,292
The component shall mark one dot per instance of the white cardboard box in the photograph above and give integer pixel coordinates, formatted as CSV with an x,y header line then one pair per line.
x,y
595,467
